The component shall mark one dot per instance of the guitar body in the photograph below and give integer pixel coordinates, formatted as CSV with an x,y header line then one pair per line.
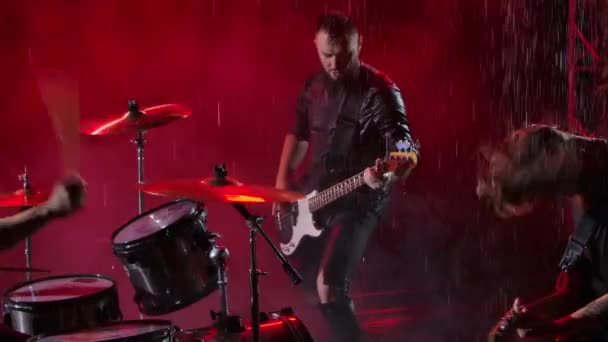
x,y
295,222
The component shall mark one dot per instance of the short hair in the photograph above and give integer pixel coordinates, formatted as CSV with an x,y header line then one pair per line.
x,y
337,26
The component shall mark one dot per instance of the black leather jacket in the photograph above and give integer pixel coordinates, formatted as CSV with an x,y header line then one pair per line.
x,y
348,124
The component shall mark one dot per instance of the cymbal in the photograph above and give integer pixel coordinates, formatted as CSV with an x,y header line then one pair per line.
x,y
21,199
134,120
212,189
23,269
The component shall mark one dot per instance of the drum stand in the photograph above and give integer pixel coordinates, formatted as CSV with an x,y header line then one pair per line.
x,y
225,322
254,223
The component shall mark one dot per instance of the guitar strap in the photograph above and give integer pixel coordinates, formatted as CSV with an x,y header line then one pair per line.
x,y
578,241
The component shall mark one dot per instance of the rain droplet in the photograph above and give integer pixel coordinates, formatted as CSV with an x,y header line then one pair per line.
x,y
174,150
219,123
105,195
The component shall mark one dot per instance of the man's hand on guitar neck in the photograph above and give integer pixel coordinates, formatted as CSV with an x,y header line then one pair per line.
x,y
374,176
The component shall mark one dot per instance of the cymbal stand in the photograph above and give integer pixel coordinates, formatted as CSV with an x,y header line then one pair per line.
x,y
254,223
28,240
140,142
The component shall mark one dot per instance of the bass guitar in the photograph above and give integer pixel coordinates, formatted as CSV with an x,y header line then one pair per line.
x,y
295,220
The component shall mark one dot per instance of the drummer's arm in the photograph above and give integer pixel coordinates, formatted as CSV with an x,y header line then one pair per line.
x,y
66,198
14,229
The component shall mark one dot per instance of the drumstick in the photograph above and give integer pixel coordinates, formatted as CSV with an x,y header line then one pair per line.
x,y
59,92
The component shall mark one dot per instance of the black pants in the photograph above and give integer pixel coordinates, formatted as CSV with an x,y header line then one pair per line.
x,y
344,248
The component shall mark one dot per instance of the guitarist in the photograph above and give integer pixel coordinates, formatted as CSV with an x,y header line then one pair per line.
x,y
538,163
348,115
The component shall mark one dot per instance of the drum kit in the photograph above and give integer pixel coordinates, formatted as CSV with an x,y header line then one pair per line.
x,y
170,256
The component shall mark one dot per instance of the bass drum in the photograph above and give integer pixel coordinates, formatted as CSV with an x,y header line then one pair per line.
x,y
166,254
274,327
126,331
60,303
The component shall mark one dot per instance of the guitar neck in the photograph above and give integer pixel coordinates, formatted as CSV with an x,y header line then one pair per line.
x,y
396,162
335,192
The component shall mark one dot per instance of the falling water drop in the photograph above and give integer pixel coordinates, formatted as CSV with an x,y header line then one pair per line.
x,y
174,150
105,195
219,123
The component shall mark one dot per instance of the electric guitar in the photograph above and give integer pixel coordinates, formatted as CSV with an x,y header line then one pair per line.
x,y
295,220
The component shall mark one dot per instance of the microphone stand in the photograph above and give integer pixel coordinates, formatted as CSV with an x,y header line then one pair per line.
x,y
254,224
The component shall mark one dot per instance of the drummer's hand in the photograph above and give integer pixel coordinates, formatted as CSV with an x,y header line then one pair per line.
x,y
67,196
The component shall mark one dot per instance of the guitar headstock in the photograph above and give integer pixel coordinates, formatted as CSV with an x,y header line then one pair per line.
x,y
408,146
406,156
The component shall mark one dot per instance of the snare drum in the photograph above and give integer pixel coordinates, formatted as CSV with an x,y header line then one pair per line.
x,y
61,303
165,252
127,331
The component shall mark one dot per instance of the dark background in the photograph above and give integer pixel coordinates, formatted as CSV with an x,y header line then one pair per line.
x,y
441,267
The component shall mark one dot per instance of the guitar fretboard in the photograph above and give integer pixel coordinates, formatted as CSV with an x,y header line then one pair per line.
x,y
335,192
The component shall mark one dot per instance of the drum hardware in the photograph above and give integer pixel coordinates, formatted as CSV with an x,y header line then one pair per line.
x,y
223,189
281,326
139,141
138,121
61,303
226,323
23,269
254,224
24,199
125,331
227,190
166,254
